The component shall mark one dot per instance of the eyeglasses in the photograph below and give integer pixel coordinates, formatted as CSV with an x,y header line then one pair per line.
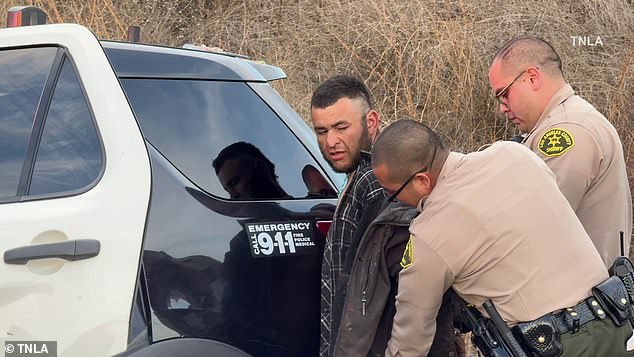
x,y
504,91
392,198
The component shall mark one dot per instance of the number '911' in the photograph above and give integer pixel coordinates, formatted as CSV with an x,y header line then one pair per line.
x,y
266,244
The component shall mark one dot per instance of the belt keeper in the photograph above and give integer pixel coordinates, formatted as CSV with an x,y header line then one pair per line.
x,y
575,319
596,308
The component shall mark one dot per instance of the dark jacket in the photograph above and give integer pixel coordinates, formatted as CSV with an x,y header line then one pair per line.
x,y
365,299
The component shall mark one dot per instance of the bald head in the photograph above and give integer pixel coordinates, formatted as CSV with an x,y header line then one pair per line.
x,y
521,52
405,147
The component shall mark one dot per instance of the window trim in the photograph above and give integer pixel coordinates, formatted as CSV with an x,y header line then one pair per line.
x,y
38,124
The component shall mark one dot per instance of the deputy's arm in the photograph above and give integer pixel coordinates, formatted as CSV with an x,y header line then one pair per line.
x,y
577,161
422,282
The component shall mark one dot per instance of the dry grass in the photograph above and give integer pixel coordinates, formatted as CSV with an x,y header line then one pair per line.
x,y
423,59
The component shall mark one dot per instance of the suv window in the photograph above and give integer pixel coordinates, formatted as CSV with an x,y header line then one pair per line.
x,y
69,156
225,139
23,74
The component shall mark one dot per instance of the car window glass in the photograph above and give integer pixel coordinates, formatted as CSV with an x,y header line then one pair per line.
x,y
69,156
225,139
23,73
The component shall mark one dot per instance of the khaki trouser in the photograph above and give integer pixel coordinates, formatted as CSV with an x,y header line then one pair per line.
x,y
597,338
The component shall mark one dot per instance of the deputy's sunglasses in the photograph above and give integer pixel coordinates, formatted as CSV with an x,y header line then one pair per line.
x,y
392,198
503,93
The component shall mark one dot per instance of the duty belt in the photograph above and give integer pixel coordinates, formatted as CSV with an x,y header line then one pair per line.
x,y
570,319
542,336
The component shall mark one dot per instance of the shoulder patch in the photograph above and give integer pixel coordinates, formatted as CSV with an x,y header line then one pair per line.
x,y
408,254
555,142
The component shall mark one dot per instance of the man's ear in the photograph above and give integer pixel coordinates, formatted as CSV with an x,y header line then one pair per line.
x,y
535,77
260,167
423,182
372,121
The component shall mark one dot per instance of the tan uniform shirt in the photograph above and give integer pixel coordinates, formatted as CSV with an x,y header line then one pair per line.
x,y
495,227
584,151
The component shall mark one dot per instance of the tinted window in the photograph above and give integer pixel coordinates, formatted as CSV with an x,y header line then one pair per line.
x,y
224,138
23,73
69,156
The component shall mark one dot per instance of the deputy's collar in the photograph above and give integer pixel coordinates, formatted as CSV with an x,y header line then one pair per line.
x,y
452,161
560,96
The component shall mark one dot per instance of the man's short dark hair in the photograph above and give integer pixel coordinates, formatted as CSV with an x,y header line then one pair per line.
x,y
337,87
523,51
242,149
405,147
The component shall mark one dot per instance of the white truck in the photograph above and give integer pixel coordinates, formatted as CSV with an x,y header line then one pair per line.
x,y
154,201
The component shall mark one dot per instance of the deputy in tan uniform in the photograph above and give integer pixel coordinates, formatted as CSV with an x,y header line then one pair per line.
x,y
493,225
577,143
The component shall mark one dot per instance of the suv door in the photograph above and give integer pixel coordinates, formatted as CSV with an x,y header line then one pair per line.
x,y
74,192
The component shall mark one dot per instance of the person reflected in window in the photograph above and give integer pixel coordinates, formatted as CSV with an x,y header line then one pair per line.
x,y
316,183
245,173
260,315
186,292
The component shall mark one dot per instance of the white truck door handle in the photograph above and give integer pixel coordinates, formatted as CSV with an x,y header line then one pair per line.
x,y
69,250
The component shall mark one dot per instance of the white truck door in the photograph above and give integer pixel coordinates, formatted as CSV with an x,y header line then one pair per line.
x,y
74,193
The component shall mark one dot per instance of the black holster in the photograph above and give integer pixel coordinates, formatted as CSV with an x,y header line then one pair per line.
x,y
484,334
541,336
613,296
624,270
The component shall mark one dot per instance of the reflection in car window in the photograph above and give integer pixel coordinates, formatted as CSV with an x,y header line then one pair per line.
x,y
245,173
69,156
23,73
193,123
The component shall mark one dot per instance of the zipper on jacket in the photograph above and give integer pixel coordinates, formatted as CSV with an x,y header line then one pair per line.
x,y
399,222
364,299
364,292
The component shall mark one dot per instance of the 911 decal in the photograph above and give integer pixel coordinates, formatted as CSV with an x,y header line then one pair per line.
x,y
281,239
